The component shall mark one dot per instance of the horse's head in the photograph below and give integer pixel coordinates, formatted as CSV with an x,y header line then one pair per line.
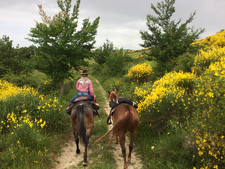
x,y
112,96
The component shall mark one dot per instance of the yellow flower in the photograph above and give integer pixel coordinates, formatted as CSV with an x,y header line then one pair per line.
x,y
200,153
215,166
24,111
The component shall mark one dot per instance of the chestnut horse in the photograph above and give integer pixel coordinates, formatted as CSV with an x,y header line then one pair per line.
x,y
82,119
125,119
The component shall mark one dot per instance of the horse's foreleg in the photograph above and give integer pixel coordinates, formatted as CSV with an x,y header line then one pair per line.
x,y
123,148
132,138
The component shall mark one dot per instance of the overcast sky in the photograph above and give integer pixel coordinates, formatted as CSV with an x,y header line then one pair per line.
x,y
120,20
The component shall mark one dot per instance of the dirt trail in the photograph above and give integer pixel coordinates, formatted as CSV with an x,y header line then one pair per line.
x,y
69,159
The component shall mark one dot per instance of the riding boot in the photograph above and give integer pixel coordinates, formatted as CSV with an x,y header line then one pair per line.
x,y
96,113
68,108
95,107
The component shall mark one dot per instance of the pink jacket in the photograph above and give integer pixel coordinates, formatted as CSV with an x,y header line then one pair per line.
x,y
85,85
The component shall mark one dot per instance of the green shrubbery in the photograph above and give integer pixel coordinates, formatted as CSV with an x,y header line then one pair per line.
x,y
185,62
182,113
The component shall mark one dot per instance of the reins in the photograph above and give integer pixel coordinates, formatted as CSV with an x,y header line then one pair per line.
x,y
101,105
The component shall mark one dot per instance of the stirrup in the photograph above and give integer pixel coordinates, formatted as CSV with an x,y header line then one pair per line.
x,y
68,109
109,121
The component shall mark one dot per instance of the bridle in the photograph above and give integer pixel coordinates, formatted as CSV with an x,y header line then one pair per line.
x,y
112,97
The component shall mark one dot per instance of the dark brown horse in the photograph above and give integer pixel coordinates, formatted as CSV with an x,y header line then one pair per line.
x,y
125,119
82,119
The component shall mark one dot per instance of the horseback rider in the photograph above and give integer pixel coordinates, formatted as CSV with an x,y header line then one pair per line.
x,y
84,88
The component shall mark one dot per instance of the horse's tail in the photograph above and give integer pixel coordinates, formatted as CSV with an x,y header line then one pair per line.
x,y
122,125
81,128
119,127
106,134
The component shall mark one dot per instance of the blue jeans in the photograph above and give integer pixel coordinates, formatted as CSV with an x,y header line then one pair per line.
x,y
82,94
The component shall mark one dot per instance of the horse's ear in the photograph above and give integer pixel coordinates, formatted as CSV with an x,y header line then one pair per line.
x,y
115,90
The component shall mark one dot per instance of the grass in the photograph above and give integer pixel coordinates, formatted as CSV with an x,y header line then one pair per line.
x,y
163,150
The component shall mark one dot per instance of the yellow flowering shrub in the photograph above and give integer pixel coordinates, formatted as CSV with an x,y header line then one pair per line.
x,y
175,83
26,119
22,105
213,40
7,90
167,97
205,57
209,117
140,72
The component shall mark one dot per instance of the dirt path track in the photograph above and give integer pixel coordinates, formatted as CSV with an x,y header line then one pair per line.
x,y
135,161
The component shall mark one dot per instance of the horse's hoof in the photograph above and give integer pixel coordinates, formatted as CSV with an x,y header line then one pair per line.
x,y
78,151
85,163
128,160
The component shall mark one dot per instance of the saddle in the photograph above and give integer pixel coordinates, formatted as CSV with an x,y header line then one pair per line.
x,y
82,98
113,105
121,100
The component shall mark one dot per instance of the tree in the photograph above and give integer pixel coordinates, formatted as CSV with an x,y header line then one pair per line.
x,y
24,59
103,52
61,46
7,56
168,39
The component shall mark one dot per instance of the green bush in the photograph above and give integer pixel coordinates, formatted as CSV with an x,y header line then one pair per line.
x,y
185,62
115,63
103,52
33,79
